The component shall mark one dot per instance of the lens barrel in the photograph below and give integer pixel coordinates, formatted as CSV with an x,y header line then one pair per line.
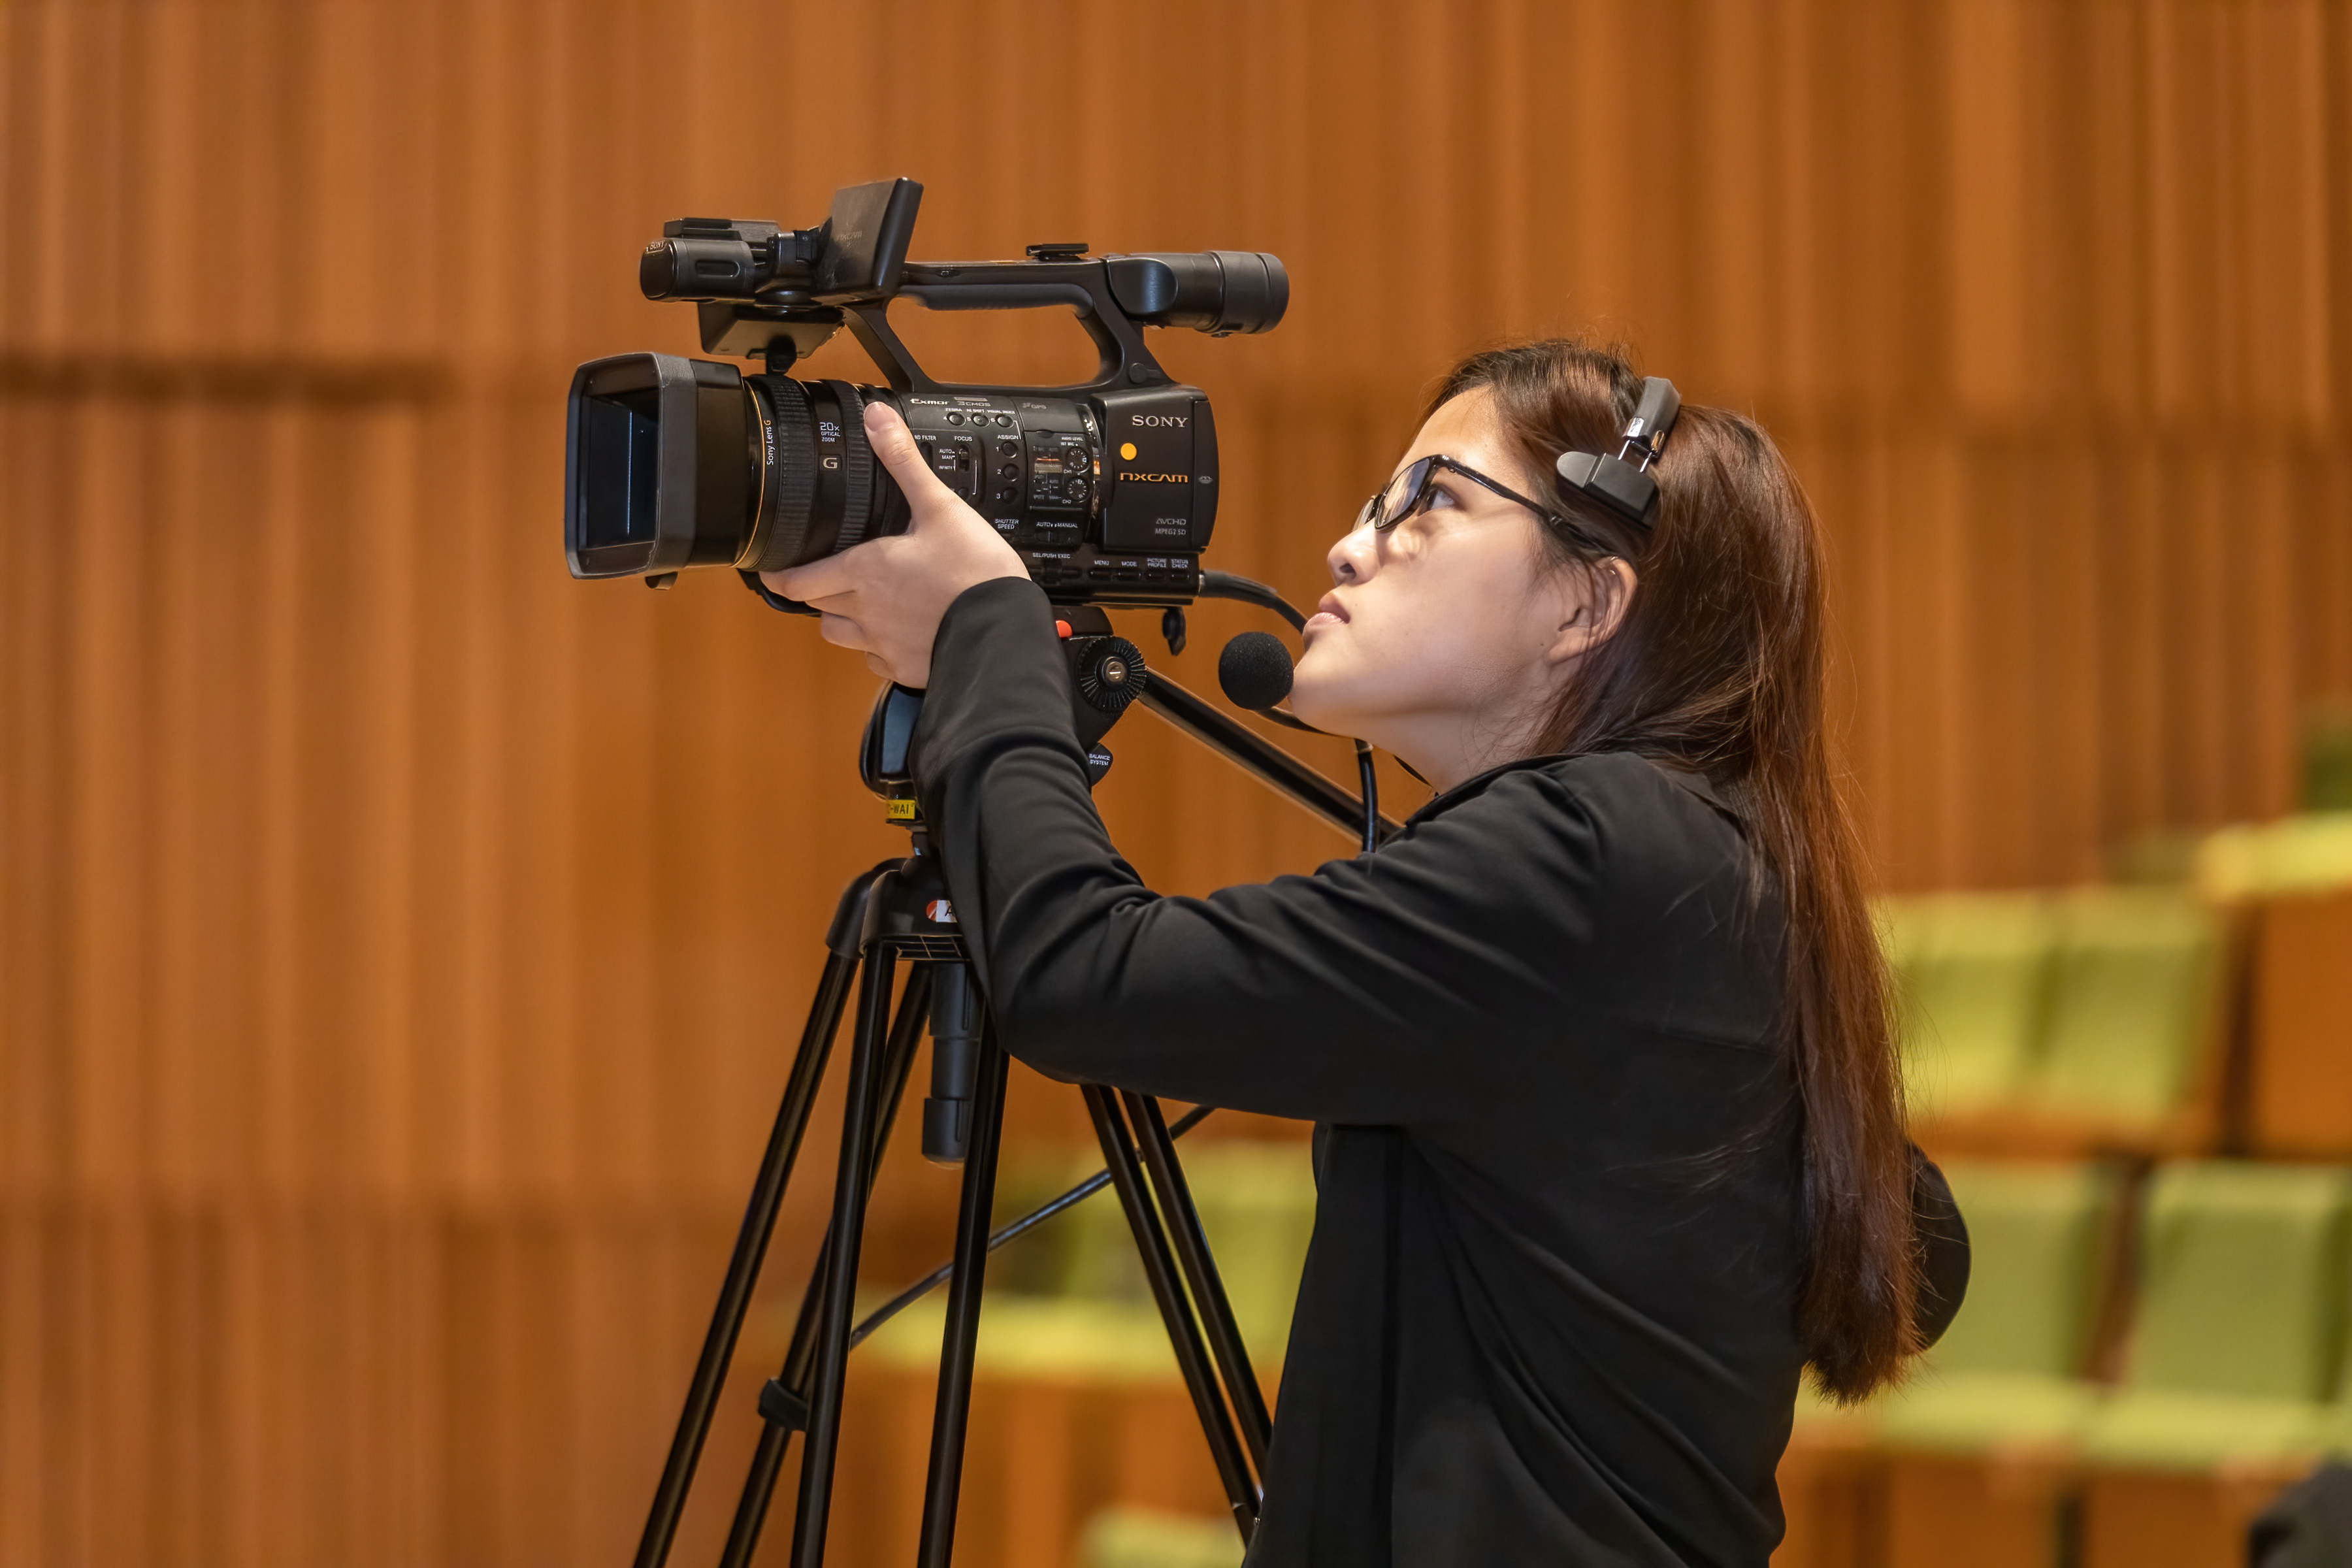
x,y
822,488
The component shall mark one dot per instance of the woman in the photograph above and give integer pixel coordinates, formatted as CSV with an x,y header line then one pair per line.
x,y
1612,1143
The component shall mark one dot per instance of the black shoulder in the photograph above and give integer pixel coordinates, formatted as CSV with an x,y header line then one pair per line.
x,y
1651,805
1627,821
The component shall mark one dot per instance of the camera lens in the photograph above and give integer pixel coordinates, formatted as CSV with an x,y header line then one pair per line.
x,y
654,475
676,463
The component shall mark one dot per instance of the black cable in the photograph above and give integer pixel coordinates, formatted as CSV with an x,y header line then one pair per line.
x,y
1250,591
1371,796
1027,1222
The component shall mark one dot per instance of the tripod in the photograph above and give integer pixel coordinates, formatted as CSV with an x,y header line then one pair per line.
x,y
898,914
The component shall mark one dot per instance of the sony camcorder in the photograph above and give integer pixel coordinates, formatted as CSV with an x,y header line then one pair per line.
x,y
1107,490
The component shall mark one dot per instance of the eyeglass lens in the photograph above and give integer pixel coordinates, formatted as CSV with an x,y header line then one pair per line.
x,y
1397,498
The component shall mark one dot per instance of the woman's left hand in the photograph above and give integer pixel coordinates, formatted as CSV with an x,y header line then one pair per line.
x,y
885,597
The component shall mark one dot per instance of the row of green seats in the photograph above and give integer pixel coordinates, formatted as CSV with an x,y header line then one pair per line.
x,y
1149,1538
2094,1003
1256,1201
2306,853
1068,1301
1069,1297
2236,1350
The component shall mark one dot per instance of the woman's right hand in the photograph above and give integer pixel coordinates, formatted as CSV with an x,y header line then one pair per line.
x,y
885,597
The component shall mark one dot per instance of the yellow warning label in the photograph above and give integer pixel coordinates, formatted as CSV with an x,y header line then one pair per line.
x,y
898,810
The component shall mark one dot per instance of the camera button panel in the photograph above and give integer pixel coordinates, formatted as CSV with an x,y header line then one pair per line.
x,y
950,434
956,459
1061,466
1086,574
1047,474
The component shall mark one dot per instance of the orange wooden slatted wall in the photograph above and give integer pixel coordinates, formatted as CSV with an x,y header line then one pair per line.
x,y
400,943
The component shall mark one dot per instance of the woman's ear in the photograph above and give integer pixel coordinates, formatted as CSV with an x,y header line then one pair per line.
x,y
1593,603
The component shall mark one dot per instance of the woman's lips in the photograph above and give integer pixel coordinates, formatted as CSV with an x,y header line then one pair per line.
x,y
1328,611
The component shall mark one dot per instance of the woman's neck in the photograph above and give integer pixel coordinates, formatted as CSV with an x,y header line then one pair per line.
x,y
1450,748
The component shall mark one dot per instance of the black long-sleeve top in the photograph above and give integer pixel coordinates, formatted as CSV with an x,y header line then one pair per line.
x,y
1548,1313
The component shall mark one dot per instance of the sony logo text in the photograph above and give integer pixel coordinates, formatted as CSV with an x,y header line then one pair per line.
x,y
1160,421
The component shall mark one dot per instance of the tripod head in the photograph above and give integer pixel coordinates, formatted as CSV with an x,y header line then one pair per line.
x,y
1106,674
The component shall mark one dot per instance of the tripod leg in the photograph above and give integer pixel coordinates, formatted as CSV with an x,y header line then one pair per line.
x,y
1224,1335
1183,1331
831,1366
793,1381
750,1250
961,1338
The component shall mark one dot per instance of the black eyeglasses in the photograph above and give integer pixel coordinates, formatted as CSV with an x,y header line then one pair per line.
x,y
1409,492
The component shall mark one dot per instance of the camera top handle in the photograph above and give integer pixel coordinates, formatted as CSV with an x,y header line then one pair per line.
x,y
779,293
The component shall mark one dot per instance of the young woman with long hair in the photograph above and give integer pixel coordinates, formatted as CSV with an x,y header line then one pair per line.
x,y
1609,1136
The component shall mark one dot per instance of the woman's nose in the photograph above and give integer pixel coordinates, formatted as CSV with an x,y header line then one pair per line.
x,y
1356,555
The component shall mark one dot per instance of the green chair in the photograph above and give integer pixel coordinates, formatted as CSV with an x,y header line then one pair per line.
x,y
1970,972
1257,1205
1096,1249
1257,1202
2308,853
1146,1538
2239,1328
2010,1369
2134,978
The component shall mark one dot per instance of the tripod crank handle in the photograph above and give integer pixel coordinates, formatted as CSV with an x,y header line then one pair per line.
x,y
1021,1226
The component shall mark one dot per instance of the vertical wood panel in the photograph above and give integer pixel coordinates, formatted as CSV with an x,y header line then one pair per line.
x,y
402,944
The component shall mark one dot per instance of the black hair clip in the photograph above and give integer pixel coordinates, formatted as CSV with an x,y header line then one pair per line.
x,y
1623,483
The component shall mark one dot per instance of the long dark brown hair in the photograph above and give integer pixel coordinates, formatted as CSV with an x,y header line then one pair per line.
x,y
1717,667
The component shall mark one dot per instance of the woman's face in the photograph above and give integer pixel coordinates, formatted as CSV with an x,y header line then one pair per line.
x,y
1446,640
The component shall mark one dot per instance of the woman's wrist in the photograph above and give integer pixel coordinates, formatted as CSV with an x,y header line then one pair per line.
x,y
995,632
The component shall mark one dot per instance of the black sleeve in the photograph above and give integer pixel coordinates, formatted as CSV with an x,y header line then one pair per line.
x,y
1384,989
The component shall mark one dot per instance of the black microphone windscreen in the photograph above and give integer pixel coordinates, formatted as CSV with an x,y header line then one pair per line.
x,y
1254,671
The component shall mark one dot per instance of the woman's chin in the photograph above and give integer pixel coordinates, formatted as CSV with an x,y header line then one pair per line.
x,y
1314,700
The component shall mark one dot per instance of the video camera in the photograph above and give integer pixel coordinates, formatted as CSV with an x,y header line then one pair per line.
x,y
1107,490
